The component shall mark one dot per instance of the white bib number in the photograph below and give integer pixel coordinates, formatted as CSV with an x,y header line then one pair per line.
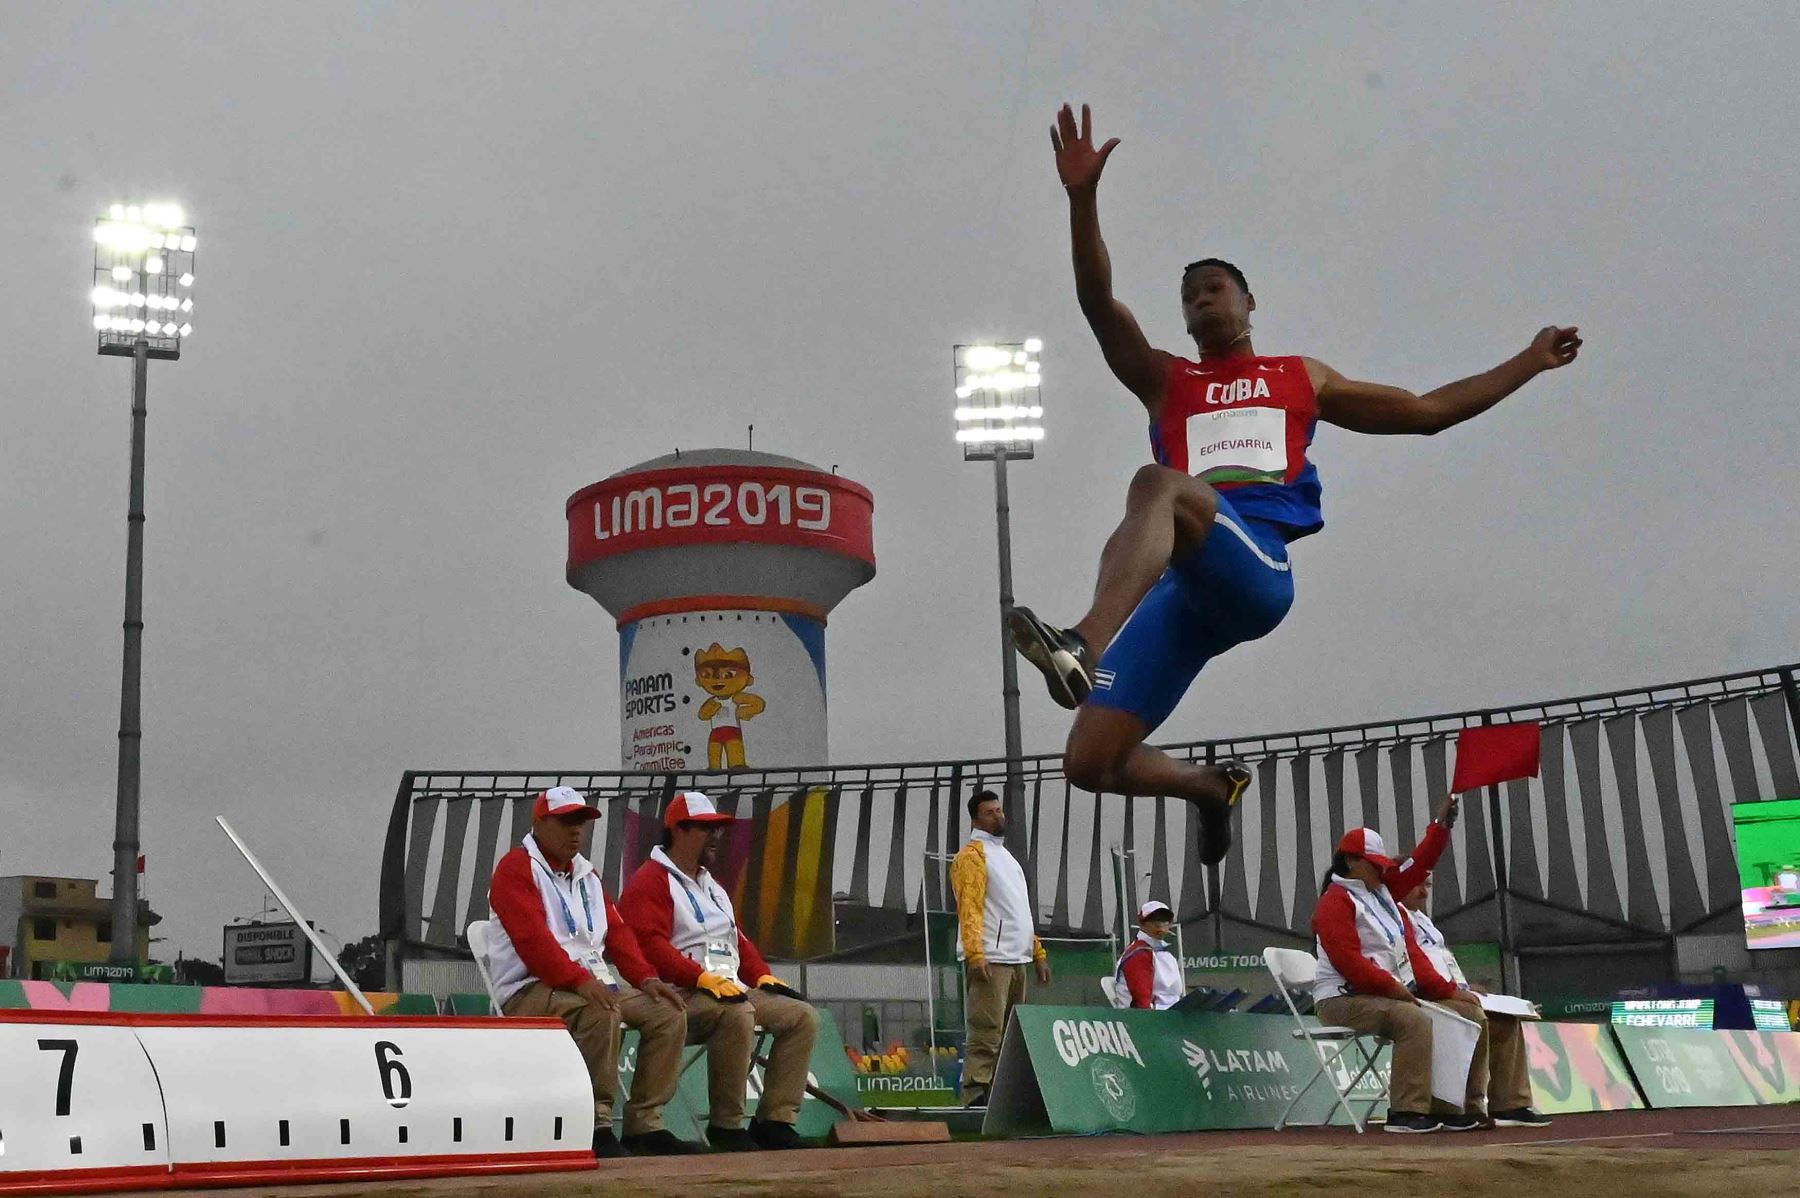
x,y
722,958
1246,444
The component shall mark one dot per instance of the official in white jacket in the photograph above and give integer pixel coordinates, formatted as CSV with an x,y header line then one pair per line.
x,y
1148,975
1509,1080
562,949
998,940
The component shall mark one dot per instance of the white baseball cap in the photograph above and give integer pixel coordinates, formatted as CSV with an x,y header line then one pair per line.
x,y
563,800
1152,907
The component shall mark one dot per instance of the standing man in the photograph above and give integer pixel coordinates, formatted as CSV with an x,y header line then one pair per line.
x,y
561,949
690,933
1200,561
1148,975
998,939
1509,1079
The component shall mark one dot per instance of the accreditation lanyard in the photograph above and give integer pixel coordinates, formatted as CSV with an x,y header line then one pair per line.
x,y
1379,910
693,899
718,956
587,905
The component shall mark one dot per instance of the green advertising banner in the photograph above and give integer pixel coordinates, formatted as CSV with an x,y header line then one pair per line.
x,y
1079,1070
686,1116
1576,1067
1684,1067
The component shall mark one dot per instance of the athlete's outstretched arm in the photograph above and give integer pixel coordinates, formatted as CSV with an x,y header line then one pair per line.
x,y
1374,408
1128,353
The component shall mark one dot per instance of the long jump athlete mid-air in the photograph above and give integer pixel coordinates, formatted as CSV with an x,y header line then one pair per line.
x,y
1200,561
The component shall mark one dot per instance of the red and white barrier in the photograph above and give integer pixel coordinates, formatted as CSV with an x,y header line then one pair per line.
x,y
114,1100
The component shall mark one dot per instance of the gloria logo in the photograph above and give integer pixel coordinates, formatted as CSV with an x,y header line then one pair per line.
x,y
1078,1039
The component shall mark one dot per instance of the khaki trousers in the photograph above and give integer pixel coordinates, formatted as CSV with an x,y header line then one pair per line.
x,y
988,1006
1409,1085
729,1032
1509,1078
661,1031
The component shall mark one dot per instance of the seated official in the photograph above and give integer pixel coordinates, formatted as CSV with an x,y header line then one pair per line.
x,y
689,932
1148,975
1508,1099
1365,944
561,949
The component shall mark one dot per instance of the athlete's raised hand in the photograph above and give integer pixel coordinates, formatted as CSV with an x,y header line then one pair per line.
x,y
1553,347
1078,163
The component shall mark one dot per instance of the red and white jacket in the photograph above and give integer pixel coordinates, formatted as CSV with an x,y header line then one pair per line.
x,y
1151,974
1365,940
548,919
676,916
1437,948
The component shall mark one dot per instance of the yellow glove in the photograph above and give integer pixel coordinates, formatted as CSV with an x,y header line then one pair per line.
x,y
775,985
722,988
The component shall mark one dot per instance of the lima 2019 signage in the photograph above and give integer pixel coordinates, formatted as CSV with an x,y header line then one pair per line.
x,y
659,509
713,690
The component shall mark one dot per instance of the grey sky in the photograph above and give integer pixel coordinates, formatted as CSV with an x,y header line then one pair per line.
x,y
456,263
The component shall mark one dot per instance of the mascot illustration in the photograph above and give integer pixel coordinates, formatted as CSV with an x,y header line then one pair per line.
x,y
724,674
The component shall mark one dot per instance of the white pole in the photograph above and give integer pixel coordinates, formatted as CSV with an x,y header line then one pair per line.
x,y
294,914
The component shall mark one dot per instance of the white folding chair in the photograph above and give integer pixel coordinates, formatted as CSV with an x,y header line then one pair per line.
x,y
1293,970
1119,996
477,934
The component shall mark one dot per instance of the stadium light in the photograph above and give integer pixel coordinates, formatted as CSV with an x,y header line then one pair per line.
x,y
143,307
999,416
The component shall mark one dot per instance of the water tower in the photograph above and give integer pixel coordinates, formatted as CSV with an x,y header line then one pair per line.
x,y
720,566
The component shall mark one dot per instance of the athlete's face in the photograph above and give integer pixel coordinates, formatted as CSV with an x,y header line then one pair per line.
x,y
990,818
1216,309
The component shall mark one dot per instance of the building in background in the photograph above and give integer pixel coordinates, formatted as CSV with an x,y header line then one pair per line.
x,y
720,567
60,927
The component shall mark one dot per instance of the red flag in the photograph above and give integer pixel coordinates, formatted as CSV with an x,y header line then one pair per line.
x,y
1496,753
140,867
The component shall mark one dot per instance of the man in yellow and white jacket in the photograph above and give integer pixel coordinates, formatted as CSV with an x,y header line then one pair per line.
x,y
998,939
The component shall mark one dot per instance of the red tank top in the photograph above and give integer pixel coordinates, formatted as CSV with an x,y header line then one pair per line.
x,y
1244,425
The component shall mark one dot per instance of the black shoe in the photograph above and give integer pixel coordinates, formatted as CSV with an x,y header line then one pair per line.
x,y
1059,654
607,1146
1460,1122
661,1142
1215,815
977,1099
1522,1117
1410,1123
774,1135
730,1139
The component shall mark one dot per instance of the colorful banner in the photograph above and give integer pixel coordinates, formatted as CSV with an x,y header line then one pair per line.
x,y
203,1000
720,690
1576,1067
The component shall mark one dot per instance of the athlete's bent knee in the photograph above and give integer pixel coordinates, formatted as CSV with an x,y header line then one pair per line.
x,y
1154,482
1090,765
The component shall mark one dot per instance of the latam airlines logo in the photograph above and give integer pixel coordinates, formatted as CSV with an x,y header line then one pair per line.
x,y
1237,391
1244,1074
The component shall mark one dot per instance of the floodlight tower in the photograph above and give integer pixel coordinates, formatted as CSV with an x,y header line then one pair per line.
x,y
143,308
999,416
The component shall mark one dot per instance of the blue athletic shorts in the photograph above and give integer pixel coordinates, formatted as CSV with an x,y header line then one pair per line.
x,y
1235,589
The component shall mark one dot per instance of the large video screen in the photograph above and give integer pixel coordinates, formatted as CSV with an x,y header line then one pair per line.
x,y
1768,853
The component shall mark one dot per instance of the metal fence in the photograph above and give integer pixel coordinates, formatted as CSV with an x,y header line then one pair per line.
x,y
1625,835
